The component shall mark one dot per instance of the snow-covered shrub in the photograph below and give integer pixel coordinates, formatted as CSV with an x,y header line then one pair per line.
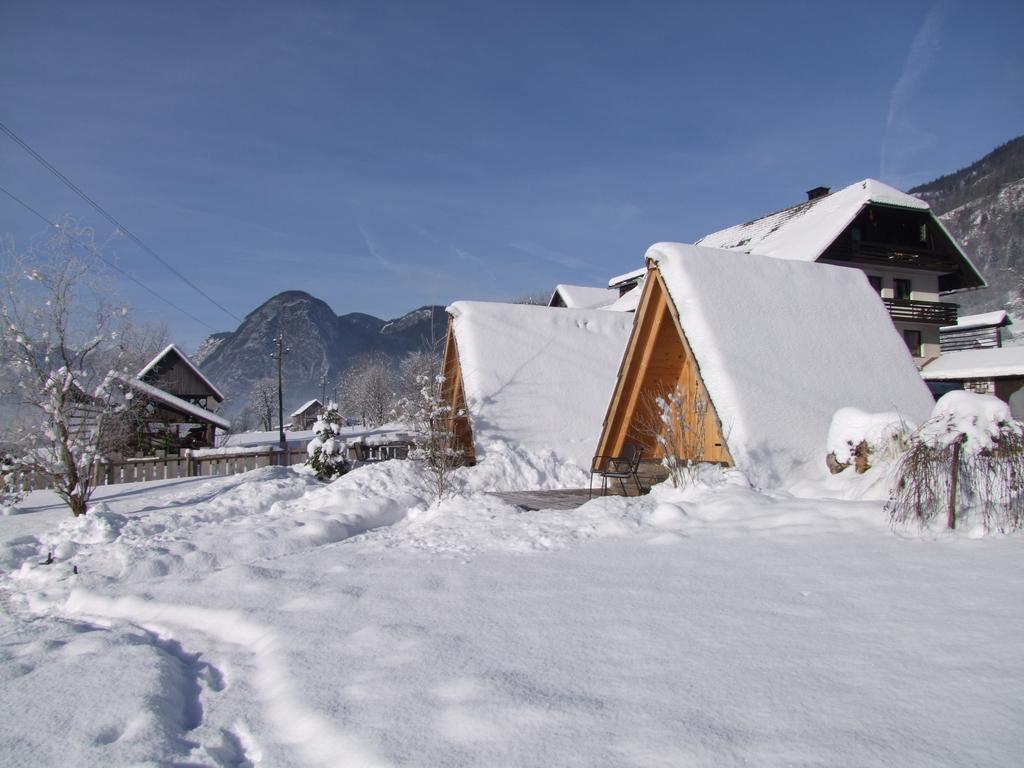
x,y
327,451
675,421
861,438
967,459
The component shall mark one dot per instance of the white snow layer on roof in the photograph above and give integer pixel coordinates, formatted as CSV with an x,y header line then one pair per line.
x,y
298,411
984,320
627,277
538,377
802,232
183,406
976,364
628,302
167,350
585,297
783,345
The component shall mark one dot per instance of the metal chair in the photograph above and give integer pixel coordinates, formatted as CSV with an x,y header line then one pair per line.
x,y
621,467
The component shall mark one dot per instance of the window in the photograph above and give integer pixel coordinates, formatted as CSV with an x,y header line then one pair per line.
x,y
876,283
913,341
901,289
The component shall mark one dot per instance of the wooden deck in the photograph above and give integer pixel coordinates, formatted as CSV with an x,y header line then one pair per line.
x,y
566,498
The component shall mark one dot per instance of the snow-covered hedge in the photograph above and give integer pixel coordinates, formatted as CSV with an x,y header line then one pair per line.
x,y
966,460
860,438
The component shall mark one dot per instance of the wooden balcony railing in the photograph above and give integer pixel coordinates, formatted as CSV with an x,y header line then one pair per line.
x,y
910,311
889,255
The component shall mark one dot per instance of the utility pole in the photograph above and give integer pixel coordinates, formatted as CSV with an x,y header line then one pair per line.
x,y
279,356
323,391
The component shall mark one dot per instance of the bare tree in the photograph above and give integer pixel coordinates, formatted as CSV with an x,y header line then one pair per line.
x,y
367,389
263,403
63,343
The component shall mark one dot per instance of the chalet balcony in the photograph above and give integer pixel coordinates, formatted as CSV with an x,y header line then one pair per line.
x,y
932,312
889,255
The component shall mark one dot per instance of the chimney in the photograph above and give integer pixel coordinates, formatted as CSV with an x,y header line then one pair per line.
x,y
814,194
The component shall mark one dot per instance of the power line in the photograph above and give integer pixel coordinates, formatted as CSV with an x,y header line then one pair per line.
x,y
102,211
92,250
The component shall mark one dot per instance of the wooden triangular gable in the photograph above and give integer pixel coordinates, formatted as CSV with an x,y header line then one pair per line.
x,y
173,372
657,358
453,395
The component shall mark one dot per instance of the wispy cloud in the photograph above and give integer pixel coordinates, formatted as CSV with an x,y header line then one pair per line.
x,y
555,257
902,137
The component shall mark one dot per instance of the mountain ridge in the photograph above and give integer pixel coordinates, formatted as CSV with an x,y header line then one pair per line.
x,y
319,345
981,207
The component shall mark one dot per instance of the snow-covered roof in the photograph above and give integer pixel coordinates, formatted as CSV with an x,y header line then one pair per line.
x,y
584,297
628,277
302,408
538,377
781,346
802,232
995,319
627,302
192,366
176,403
976,364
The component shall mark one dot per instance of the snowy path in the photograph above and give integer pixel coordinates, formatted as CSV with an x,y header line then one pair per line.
x,y
277,622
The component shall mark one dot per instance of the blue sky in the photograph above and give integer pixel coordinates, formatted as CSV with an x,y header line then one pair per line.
x,y
386,155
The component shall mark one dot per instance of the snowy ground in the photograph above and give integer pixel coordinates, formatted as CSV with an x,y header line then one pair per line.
x,y
268,620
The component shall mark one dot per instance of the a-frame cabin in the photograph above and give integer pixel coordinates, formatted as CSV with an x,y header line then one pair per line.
x,y
658,358
773,347
535,379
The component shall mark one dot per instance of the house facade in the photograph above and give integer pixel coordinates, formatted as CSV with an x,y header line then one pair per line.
x,y
908,257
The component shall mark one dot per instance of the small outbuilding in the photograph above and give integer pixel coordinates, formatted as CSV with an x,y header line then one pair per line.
x,y
173,400
984,331
769,349
535,378
305,416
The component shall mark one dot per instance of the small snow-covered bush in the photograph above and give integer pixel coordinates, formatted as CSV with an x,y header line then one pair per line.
x,y
861,438
432,421
967,459
10,494
327,451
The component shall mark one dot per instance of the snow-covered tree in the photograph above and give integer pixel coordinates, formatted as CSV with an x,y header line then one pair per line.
x,y
66,348
10,493
367,389
327,451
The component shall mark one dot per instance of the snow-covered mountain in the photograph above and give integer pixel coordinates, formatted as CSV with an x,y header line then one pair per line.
x,y
983,207
319,343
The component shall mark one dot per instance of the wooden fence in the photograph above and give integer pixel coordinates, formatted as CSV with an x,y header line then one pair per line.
x,y
142,470
212,465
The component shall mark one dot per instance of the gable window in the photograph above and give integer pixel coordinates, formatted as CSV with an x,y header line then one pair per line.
x,y
901,289
913,341
876,283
